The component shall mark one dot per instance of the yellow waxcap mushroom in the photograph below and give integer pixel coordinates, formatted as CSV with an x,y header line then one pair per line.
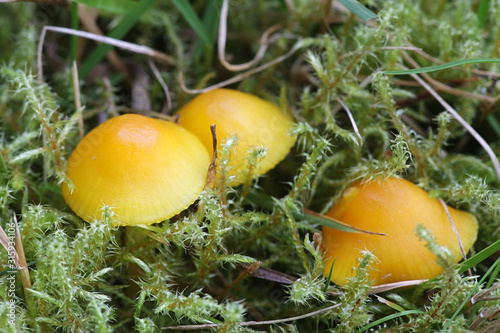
x,y
394,207
147,170
256,123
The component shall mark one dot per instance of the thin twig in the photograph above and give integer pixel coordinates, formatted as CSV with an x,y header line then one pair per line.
x,y
469,128
157,75
141,49
78,102
241,76
254,323
351,118
222,37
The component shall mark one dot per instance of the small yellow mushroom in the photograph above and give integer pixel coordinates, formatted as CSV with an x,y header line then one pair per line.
x,y
394,207
255,122
147,170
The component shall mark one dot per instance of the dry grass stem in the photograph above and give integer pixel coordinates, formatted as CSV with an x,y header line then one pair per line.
x,y
464,255
167,109
222,37
140,49
469,128
6,243
25,275
254,323
395,285
351,118
241,76
212,168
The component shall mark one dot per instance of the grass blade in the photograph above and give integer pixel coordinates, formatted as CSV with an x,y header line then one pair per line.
x,y
265,201
358,9
479,257
192,19
390,317
211,23
494,123
482,12
118,32
443,66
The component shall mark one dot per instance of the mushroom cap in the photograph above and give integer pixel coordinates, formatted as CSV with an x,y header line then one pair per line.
x,y
256,123
147,170
395,207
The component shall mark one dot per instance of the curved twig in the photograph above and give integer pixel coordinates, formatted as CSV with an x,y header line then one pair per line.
x,y
221,46
241,76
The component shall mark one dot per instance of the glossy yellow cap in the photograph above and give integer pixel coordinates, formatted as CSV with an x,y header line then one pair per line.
x,y
256,123
395,207
147,170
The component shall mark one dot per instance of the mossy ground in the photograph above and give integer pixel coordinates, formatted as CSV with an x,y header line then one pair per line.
x,y
192,269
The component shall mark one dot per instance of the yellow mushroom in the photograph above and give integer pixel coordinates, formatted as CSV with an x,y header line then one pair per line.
x,y
394,207
255,122
147,170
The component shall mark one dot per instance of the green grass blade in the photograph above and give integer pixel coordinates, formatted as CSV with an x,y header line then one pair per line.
x,y
264,200
120,7
118,32
482,12
443,66
192,19
390,317
494,123
493,277
479,257
329,276
211,23
358,9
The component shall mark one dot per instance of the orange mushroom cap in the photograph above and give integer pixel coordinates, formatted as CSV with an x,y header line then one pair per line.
x,y
256,123
394,207
147,170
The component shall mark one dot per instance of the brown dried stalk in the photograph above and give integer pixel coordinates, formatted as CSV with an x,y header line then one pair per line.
x,y
141,49
254,323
